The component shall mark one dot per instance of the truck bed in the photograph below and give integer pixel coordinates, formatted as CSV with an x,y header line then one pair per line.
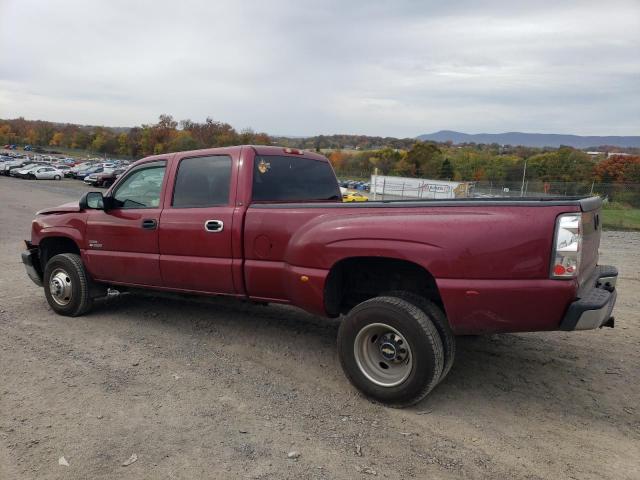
x,y
488,256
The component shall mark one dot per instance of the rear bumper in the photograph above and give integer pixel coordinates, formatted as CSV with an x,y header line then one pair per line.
x,y
31,263
593,308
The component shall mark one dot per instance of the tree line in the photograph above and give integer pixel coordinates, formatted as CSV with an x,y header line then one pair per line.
x,y
167,135
354,155
488,162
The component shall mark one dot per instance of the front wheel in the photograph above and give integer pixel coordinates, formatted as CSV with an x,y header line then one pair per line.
x,y
57,177
67,285
391,351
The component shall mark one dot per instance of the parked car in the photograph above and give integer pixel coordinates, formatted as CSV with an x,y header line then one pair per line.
x,y
62,167
267,224
92,172
84,172
354,197
104,179
24,170
13,171
5,167
80,166
44,172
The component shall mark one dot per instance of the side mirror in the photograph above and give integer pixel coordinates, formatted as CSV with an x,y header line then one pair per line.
x,y
92,200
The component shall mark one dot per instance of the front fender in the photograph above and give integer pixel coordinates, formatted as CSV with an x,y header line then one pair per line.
x,y
40,232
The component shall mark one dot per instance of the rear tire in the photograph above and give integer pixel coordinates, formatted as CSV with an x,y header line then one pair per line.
x,y
67,285
439,320
391,351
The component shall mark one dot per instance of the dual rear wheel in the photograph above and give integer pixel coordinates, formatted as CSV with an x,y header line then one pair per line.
x,y
396,348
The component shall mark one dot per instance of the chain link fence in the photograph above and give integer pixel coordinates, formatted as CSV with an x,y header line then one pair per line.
x,y
618,192
397,188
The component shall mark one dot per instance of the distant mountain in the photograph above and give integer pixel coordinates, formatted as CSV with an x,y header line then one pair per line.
x,y
531,139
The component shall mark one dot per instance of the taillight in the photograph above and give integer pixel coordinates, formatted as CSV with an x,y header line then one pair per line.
x,y
567,245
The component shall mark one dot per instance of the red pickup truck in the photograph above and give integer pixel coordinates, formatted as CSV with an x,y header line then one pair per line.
x,y
267,224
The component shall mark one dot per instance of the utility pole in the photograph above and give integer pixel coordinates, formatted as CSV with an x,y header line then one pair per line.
x,y
374,184
524,175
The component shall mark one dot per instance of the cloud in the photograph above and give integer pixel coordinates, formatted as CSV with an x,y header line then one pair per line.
x,y
303,68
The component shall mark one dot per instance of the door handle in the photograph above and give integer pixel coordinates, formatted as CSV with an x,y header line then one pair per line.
x,y
214,226
149,224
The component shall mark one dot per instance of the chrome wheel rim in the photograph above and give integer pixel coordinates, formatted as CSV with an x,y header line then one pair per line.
x,y
60,287
383,355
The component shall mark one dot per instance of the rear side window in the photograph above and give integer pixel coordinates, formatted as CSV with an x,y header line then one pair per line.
x,y
203,182
293,179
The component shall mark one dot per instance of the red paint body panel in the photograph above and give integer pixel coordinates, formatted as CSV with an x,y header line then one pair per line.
x,y
450,242
64,208
128,253
490,306
490,261
192,258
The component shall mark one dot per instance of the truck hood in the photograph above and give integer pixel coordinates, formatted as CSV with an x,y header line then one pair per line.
x,y
64,208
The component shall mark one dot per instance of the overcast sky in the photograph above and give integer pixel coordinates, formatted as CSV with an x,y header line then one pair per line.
x,y
397,68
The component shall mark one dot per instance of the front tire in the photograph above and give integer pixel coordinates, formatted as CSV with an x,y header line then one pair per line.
x,y
67,285
57,177
391,351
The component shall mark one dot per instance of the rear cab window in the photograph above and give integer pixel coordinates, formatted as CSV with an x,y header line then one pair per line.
x,y
293,179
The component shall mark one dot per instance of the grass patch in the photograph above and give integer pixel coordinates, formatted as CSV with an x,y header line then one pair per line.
x,y
616,216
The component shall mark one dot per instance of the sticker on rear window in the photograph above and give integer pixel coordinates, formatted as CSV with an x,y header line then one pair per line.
x,y
263,167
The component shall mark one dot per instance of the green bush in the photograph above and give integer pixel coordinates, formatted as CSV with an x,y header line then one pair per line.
x,y
629,197
616,206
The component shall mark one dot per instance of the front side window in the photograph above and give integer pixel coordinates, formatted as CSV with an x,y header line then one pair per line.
x,y
202,182
141,189
293,179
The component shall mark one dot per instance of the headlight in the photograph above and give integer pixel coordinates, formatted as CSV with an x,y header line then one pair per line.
x,y
567,246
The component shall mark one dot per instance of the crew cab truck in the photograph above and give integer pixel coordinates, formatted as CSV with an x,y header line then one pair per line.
x,y
267,224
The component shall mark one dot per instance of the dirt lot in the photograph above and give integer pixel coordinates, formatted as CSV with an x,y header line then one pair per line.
x,y
219,389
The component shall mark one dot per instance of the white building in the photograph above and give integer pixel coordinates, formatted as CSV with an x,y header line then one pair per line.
x,y
383,186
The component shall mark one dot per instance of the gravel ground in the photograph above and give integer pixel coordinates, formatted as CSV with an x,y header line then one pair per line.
x,y
221,389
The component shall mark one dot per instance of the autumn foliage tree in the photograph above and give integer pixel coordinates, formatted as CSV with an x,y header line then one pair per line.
x,y
337,159
619,168
167,135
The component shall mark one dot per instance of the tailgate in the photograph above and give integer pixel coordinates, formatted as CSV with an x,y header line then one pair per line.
x,y
591,229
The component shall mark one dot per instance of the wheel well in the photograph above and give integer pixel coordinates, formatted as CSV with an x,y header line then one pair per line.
x,y
354,280
52,246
